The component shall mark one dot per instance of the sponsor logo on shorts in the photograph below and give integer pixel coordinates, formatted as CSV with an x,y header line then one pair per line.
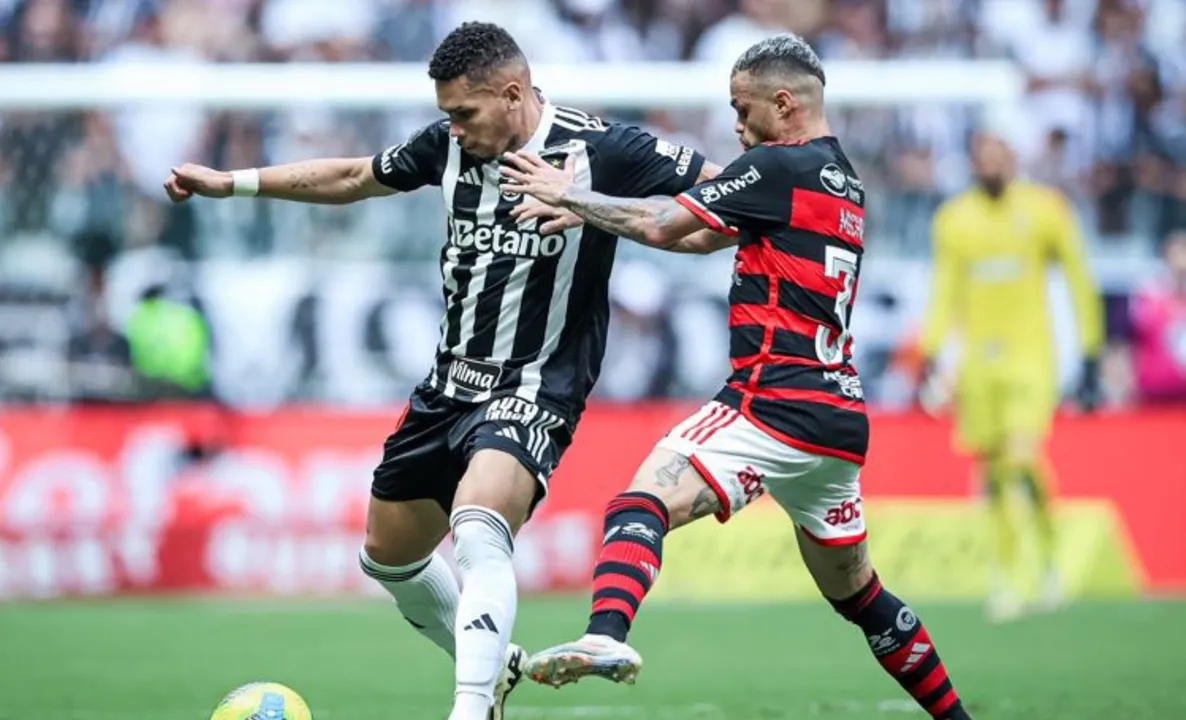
x,y
752,483
513,410
528,425
845,514
474,375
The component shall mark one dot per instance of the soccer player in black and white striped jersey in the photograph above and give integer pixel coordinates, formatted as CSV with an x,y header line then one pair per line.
x,y
521,344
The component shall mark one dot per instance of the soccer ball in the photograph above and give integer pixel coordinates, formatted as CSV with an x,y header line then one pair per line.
x,y
262,701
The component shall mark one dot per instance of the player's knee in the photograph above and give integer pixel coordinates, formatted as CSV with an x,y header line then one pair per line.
x,y
678,485
400,534
498,481
383,551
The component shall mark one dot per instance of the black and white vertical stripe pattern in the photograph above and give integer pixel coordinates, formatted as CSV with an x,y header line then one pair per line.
x,y
507,309
531,378
539,431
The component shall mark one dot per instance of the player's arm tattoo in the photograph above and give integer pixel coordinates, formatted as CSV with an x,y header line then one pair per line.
x,y
302,176
668,475
658,222
706,503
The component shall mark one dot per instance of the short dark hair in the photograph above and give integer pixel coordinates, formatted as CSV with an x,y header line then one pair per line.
x,y
786,52
474,50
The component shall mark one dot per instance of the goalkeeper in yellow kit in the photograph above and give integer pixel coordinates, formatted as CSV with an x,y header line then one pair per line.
x,y
992,247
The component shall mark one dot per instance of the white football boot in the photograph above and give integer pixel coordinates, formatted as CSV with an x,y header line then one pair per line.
x,y
512,673
596,655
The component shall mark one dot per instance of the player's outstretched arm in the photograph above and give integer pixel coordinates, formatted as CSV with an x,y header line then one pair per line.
x,y
702,242
657,222
331,181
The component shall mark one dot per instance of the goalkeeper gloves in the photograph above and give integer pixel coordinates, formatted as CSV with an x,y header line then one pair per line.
x,y
934,390
1089,396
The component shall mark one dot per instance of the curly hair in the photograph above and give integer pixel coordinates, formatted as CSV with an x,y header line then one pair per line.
x,y
474,50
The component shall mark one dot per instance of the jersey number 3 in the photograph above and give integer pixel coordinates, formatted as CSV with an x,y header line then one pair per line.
x,y
842,264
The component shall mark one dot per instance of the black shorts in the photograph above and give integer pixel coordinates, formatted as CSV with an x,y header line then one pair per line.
x,y
428,452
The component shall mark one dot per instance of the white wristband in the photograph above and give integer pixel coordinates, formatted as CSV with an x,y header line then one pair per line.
x,y
245,183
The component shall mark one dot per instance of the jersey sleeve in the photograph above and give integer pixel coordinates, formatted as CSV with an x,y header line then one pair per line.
x,y
635,163
1067,247
418,162
754,192
946,279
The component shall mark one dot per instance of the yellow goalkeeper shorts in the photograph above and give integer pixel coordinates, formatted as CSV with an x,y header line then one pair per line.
x,y
992,407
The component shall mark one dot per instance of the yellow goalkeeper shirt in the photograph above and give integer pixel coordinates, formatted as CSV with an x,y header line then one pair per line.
x,y
990,278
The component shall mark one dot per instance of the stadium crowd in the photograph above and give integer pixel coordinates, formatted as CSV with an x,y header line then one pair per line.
x,y
1105,121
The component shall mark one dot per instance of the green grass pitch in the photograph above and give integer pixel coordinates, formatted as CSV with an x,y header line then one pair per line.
x,y
357,660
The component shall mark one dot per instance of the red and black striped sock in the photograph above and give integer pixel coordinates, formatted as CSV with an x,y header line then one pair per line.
x,y
902,646
635,523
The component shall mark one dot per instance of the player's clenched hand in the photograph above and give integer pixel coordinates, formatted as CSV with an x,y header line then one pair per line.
x,y
188,180
935,391
529,174
555,219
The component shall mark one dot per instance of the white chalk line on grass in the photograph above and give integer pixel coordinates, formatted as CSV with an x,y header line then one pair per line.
x,y
707,711
696,710
852,706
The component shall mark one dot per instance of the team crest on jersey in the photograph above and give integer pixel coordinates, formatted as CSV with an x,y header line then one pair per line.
x,y
834,180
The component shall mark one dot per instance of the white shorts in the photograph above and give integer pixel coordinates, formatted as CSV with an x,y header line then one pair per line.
x,y
822,494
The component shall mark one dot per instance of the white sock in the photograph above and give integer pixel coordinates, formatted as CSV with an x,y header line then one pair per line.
x,y
425,592
486,614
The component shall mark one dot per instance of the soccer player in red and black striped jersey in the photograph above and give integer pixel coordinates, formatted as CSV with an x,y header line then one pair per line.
x,y
791,419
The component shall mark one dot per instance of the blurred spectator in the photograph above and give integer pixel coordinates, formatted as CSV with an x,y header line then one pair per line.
x,y
150,138
1126,89
641,349
317,30
629,31
1159,328
169,347
32,143
100,368
1055,53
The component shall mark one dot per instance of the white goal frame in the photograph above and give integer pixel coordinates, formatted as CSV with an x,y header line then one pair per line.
x,y
254,86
